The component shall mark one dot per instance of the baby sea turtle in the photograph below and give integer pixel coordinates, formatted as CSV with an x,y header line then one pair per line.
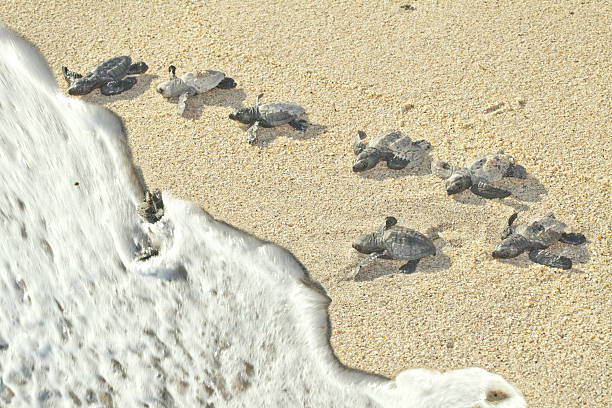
x,y
536,236
152,207
393,147
107,76
192,83
479,174
393,242
269,115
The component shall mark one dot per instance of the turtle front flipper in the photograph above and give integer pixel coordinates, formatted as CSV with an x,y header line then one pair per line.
x,y
397,163
486,190
256,106
572,238
252,132
226,83
358,144
367,260
410,266
544,257
70,76
116,87
300,124
138,68
509,230
182,103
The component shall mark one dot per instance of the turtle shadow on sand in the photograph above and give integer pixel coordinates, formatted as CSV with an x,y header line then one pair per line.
x,y
142,85
382,172
266,136
430,264
579,254
232,98
522,190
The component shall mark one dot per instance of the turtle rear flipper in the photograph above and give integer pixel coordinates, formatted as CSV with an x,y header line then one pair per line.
x,y
300,124
70,76
138,68
116,87
227,83
516,171
572,238
544,257
410,266
486,190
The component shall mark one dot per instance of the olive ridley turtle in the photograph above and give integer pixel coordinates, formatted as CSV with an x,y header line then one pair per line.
x,y
393,147
536,236
269,115
151,208
394,242
192,83
479,174
106,75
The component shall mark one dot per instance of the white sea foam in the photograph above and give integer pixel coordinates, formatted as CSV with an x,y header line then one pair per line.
x,y
218,318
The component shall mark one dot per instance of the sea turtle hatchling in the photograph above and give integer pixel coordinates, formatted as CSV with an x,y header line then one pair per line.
x,y
269,115
107,76
394,242
192,83
393,147
151,208
479,174
536,236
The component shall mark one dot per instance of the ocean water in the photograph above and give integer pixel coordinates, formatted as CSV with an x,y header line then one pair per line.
x,y
217,319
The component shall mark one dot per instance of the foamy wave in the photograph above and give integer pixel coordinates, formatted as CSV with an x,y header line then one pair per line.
x,y
218,318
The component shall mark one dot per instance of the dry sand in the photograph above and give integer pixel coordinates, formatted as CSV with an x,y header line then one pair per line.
x,y
436,72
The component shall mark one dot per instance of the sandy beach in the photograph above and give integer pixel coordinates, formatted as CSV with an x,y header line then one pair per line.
x,y
529,78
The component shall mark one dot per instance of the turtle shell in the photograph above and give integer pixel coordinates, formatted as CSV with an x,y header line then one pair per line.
x,y
279,113
542,231
204,81
395,144
404,243
491,167
114,68
391,141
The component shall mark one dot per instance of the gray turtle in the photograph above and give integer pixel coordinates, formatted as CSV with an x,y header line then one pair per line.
x,y
393,242
269,115
107,76
479,174
192,83
152,207
536,236
393,147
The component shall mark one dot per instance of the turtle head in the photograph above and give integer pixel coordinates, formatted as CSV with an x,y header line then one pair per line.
x,y
242,115
365,160
82,86
457,183
509,247
368,243
173,87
